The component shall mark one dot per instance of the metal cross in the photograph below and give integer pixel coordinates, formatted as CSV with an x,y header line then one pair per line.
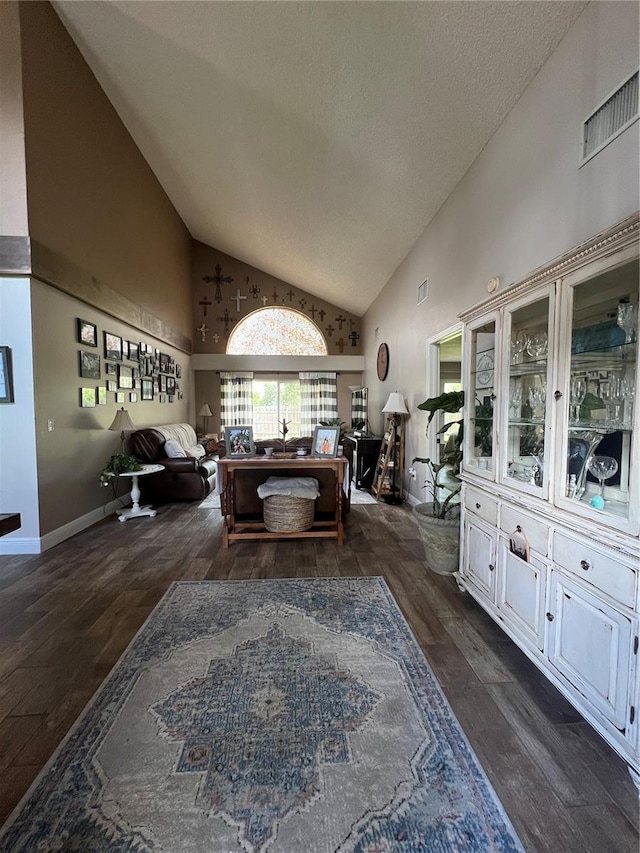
x,y
237,299
205,303
218,279
341,344
254,290
354,337
303,303
203,329
215,338
340,320
330,330
321,314
312,311
226,319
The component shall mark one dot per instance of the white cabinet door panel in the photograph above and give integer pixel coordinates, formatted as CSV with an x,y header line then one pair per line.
x,y
521,592
479,557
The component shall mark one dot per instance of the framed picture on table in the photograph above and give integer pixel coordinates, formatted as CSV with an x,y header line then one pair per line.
x,y
325,441
239,442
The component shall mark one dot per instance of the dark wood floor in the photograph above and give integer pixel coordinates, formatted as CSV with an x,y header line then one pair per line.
x,y
67,616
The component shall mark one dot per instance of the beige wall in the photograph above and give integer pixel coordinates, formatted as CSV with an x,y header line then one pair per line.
x,y
524,202
93,200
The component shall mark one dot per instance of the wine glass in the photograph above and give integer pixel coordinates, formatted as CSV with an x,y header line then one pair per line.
x,y
538,344
578,391
515,401
628,393
628,320
537,400
614,396
602,468
518,345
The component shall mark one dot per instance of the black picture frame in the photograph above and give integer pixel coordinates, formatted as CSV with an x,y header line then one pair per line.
x,y
112,346
239,442
165,362
87,398
134,351
101,395
86,332
125,377
89,364
146,389
325,441
171,385
6,376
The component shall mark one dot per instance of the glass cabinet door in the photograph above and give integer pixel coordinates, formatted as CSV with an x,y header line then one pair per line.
x,y
602,385
480,436
526,404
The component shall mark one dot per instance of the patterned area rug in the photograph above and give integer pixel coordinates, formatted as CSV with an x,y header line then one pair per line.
x,y
281,716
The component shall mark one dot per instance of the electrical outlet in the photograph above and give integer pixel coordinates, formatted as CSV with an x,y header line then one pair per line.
x,y
51,425
412,473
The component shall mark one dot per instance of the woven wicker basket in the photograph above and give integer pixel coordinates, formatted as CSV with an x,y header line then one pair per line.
x,y
286,514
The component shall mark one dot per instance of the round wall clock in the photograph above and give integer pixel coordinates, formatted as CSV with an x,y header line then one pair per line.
x,y
383,362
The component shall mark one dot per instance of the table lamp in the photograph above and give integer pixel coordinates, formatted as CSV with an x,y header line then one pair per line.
x,y
396,408
122,422
204,413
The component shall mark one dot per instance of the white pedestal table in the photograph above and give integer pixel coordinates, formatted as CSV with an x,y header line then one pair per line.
x,y
136,510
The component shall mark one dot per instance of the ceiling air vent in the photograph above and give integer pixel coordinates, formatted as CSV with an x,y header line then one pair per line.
x,y
423,291
613,116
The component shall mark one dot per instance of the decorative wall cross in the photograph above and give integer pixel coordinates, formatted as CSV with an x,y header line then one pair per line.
x,y
351,324
203,329
215,338
303,303
205,304
237,299
291,294
321,314
218,279
340,320
226,319
341,343
313,311
265,299
329,329
354,337
254,290
274,295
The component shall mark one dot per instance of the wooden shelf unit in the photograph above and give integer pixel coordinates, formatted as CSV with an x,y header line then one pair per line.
x,y
390,460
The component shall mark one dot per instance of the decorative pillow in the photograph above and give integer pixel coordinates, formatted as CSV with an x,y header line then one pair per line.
x,y
197,451
173,448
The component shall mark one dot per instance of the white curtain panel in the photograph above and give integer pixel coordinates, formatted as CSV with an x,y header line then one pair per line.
x,y
318,399
236,398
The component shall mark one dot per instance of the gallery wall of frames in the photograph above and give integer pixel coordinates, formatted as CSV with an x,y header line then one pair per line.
x,y
132,371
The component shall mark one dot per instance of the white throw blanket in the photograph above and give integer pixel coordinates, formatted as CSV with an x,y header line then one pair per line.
x,y
295,487
185,435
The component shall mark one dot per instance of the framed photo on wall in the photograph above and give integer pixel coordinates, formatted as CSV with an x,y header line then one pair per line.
x,y
112,346
88,398
146,389
89,365
6,376
239,441
86,332
125,376
325,441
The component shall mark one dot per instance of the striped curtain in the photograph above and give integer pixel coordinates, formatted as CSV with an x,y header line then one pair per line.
x,y
359,408
318,399
236,399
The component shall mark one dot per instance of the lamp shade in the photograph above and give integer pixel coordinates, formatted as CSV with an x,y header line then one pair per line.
x,y
395,404
122,421
205,411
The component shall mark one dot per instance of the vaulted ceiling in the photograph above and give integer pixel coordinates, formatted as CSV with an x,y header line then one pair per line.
x,y
314,140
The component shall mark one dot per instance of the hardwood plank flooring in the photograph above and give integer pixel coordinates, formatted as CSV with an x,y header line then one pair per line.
x,y
67,615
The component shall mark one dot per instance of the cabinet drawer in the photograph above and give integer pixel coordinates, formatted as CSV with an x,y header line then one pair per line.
x,y
480,504
602,568
537,532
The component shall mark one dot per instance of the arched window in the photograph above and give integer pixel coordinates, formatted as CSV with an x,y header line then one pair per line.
x,y
276,331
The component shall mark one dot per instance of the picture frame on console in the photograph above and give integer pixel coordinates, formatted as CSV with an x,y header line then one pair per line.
x,y
325,441
239,442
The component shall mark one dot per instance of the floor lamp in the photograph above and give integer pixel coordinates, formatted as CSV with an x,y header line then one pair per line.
x,y
396,408
204,413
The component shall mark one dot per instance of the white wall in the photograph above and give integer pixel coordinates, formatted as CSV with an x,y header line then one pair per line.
x,y
18,472
522,203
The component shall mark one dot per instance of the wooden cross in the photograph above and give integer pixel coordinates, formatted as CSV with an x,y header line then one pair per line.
x,y
290,294
237,299
340,320
312,311
226,319
354,337
321,314
351,324
265,299
205,303
341,344
218,279
203,329
303,303
330,330
274,295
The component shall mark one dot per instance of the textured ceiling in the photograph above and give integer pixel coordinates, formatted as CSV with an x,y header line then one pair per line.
x,y
314,140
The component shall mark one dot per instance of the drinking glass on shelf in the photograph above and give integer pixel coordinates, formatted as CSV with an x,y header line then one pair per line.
x,y
613,397
537,345
628,320
628,391
515,401
537,400
519,342
602,468
578,391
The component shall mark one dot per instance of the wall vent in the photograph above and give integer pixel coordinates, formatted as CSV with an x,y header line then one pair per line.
x,y
614,115
423,291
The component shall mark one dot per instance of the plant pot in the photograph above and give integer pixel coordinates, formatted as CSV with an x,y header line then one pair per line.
x,y
441,537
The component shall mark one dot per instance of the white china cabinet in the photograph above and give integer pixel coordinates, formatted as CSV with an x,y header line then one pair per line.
x,y
551,480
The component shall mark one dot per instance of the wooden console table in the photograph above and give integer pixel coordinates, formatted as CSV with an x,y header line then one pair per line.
x,y
242,508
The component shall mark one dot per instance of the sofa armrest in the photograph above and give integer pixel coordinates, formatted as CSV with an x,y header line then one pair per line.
x,y
207,467
179,464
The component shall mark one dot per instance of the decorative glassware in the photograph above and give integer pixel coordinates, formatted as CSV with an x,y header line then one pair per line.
x,y
519,342
537,345
628,320
628,394
537,400
515,402
578,392
602,468
614,397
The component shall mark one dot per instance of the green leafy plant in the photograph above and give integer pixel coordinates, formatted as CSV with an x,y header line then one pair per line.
x,y
335,422
117,464
449,402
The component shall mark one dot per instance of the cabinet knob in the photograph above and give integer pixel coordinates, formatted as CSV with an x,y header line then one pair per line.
x,y
477,505
491,567
557,395
584,565
550,617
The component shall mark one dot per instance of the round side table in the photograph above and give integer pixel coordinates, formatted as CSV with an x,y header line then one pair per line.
x,y
136,510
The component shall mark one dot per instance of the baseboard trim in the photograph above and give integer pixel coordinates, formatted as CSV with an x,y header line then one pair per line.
x,y
9,546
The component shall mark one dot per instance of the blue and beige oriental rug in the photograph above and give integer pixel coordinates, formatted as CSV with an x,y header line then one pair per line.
x,y
289,716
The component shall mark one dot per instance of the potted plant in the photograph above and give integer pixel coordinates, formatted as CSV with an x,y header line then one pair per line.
x,y
439,518
118,464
